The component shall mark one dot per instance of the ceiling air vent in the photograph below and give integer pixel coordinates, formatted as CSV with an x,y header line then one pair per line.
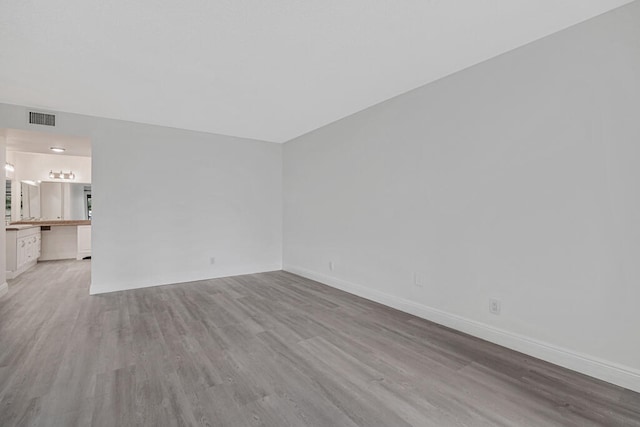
x,y
42,119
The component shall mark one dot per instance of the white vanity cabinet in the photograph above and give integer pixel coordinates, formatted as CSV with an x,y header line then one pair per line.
x,y
84,242
23,249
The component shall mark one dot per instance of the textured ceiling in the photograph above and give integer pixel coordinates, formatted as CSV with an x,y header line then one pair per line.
x,y
269,70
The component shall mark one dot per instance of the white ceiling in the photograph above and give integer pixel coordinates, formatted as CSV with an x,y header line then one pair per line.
x,y
41,142
269,70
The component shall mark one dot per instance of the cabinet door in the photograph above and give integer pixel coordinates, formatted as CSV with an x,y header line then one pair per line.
x,y
33,248
38,245
29,249
22,251
84,240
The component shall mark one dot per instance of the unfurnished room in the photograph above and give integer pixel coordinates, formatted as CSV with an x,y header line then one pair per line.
x,y
289,213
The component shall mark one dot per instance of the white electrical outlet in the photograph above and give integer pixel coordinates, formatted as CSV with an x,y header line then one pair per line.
x,y
494,305
331,265
212,260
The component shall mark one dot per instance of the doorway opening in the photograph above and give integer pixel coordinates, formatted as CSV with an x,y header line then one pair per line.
x,y
48,207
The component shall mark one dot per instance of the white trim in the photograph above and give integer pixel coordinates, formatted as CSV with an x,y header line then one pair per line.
x,y
97,289
622,376
16,273
4,288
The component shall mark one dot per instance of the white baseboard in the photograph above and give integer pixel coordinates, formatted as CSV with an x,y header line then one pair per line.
x,y
16,273
4,288
103,288
622,376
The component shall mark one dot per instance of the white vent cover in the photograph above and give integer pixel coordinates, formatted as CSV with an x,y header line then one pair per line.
x,y
44,119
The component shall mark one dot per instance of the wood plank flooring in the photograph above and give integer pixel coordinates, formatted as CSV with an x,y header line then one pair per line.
x,y
269,349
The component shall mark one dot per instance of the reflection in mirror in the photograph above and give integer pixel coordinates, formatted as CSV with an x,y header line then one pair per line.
x,y
87,197
75,204
30,200
7,203
65,200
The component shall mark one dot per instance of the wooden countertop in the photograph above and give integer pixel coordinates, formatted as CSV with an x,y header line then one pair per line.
x,y
51,222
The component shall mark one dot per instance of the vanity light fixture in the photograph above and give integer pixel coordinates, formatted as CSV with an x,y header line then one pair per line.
x,y
57,149
9,167
62,175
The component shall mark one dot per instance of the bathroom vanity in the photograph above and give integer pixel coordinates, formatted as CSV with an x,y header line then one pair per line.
x,y
54,224
24,244
62,239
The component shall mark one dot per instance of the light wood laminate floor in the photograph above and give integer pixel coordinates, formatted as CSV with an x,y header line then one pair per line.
x,y
269,349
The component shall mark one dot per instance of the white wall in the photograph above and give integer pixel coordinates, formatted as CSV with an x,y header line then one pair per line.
x,y
59,243
515,179
145,231
146,200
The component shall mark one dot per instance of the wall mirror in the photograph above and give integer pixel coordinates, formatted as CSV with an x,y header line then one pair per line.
x,y
7,203
30,200
65,200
